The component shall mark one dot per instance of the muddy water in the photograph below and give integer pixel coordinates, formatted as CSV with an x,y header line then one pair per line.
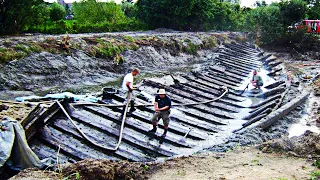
x,y
253,100
306,122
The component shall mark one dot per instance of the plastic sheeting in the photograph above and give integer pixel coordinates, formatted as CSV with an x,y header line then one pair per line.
x,y
15,150
63,95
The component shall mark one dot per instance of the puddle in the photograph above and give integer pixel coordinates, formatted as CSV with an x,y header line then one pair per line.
x,y
298,129
303,125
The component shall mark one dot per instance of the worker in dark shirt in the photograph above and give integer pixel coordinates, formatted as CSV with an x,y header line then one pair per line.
x,y
162,107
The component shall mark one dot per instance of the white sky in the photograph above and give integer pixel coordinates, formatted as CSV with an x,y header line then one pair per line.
x,y
247,3
70,1
250,3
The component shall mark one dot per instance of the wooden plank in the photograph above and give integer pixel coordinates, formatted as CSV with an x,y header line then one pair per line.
x,y
183,118
130,135
73,147
36,120
138,126
125,150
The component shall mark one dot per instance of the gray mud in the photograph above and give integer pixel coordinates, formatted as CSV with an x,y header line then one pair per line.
x,y
45,72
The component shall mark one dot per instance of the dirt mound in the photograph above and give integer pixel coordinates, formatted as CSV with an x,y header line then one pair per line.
x,y
36,174
304,146
15,110
107,169
94,169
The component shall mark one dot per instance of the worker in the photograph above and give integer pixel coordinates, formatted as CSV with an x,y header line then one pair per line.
x,y
128,87
256,80
162,107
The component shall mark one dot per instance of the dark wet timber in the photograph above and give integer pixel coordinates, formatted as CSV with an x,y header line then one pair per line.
x,y
203,124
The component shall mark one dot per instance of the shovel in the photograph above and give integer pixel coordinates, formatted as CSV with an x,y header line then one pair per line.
x,y
183,139
244,89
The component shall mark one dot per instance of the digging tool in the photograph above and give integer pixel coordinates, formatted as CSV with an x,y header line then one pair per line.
x,y
183,139
245,89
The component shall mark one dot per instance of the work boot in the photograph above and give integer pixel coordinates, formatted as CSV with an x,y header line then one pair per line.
x,y
129,114
164,134
153,130
123,109
132,106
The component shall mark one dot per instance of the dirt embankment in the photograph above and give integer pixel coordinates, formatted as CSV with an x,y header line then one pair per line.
x,y
86,62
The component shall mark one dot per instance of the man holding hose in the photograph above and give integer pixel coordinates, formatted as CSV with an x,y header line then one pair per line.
x,y
127,86
162,107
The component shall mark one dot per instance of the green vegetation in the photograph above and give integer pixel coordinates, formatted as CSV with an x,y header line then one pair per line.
x,y
316,163
9,54
57,12
73,176
190,48
109,48
315,175
266,23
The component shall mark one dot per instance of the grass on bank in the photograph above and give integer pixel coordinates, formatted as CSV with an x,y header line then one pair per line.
x,y
108,48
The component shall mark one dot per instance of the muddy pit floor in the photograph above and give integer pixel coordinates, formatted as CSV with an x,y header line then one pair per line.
x,y
287,158
278,159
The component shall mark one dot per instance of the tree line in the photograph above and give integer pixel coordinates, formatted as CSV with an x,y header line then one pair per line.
x,y
270,21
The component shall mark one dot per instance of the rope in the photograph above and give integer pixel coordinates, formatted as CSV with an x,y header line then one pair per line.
x,y
94,143
26,102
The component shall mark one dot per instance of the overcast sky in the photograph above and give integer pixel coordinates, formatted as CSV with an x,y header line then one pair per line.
x,y
248,3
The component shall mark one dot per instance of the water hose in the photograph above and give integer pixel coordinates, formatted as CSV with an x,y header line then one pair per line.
x,y
94,143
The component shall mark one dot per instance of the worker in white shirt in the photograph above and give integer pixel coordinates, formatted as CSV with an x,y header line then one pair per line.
x,y
127,86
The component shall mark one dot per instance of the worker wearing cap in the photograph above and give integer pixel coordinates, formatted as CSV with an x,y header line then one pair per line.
x,y
127,86
162,107
256,80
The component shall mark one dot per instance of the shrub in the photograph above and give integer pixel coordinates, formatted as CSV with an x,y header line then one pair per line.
x,y
9,54
35,48
23,48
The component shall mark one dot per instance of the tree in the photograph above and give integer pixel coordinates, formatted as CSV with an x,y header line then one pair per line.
x,y
68,9
57,12
127,1
15,14
94,12
313,11
129,9
201,16
223,13
313,2
260,3
266,22
40,15
165,13
177,14
292,11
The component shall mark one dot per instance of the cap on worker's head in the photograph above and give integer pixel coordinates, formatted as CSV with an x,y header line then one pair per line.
x,y
162,91
254,72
